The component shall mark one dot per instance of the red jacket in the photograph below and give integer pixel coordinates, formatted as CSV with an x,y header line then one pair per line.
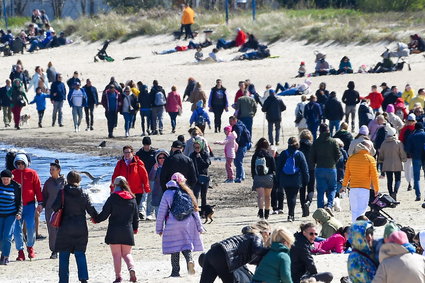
x,y
240,38
31,185
135,173
376,99
406,129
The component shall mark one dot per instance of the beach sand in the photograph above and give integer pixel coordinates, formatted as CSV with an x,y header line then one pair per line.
x,y
236,204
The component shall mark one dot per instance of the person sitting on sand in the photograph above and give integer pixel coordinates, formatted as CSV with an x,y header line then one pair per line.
x,y
238,41
345,66
213,56
199,56
322,67
330,224
252,43
301,70
416,44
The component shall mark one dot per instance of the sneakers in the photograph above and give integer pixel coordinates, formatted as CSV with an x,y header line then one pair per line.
x,y
280,211
133,277
238,181
54,255
117,280
21,256
87,129
91,128
409,188
229,181
31,252
274,212
291,218
191,268
4,260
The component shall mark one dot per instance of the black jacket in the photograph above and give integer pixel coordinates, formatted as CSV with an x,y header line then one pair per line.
x,y
218,98
4,98
201,163
345,136
145,99
154,90
121,208
299,179
365,114
189,88
71,82
380,137
351,97
390,98
178,162
305,147
333,109
148,157
242,249
92,95
15,75
273,107
301,260
322,98
73,234
269,161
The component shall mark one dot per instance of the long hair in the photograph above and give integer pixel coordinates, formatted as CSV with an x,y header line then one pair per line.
x,y
262,143
123,184
190,193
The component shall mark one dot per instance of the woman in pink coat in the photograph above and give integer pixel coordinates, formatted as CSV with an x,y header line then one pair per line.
x,y
230,148
173,107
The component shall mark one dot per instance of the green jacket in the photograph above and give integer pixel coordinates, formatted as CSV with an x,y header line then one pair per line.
x,y
275,267
325,152
246,107
329,224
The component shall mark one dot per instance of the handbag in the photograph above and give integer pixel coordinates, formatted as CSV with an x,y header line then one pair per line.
x,y
180,111
203,179
56,218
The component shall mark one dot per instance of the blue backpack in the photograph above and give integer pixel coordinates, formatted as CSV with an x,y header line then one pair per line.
x,y
182,205
290,168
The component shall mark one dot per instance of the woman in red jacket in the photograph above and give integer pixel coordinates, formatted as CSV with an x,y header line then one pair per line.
x,y
173,107
133,169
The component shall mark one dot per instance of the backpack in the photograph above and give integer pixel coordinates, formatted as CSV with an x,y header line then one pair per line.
x,y
290,168
182,205
160,99
261,168
200,121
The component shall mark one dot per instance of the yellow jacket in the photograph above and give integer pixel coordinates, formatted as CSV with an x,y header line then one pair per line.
x,y
408,95
360,171
418,98
188,16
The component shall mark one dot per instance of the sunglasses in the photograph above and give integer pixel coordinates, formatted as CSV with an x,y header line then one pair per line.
x,y
313,234
161,158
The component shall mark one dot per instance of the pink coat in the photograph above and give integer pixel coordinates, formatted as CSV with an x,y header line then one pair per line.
x,y
230,145
333,244
173,102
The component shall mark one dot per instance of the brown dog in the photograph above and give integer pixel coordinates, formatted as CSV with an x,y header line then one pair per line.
x,y
207,211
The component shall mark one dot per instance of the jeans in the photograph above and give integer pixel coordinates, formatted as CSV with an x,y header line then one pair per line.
x,y
334,124
173,116
417,165
222,43
80,258
359,201
112,118
218,112
7,225
397,177
128,117
89,115
248,123
146,113
57,111
7,115
28,216
157,117
270,131
313,126
291,197
325,183
146,207
77,115
350,110
240,154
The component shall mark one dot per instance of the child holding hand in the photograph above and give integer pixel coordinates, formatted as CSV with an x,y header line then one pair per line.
x,y
230,148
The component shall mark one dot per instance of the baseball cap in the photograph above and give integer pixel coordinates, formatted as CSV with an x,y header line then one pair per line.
x,y
411,117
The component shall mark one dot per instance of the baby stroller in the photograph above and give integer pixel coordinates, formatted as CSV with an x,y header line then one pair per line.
x,y
102,55
376,214
401,53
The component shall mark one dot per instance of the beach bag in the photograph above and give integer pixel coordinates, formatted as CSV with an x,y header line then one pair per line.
x,y
56,218
290,168
182,205
160,99
261,168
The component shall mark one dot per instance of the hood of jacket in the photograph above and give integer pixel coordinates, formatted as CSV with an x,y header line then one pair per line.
x,y
159,152
124,194
72,189
357,236
323,137
390,250
21,157
321,215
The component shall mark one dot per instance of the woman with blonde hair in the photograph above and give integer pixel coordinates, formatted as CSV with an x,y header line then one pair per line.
x,y
121,208
275,267
179,224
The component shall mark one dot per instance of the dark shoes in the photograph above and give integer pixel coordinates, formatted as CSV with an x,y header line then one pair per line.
x,y
54,255
291,218
306,209
409,188
266,213
260,213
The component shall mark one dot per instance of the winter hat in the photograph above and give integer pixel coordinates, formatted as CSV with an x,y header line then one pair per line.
x,y
398,237
302,63
391,131
6,173
21,157
389,229
178,177
411,117
271,92
199,104
119,179
364,130
228,128
390,108
171,184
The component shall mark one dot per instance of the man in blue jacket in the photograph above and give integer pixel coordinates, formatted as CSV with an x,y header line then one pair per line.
x,y
57,96
415,148
244,143
92,101
313,115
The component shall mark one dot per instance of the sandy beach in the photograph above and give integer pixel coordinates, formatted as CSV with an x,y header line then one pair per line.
x,y
236,204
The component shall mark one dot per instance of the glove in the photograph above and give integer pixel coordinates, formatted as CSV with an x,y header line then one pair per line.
x,y
135,231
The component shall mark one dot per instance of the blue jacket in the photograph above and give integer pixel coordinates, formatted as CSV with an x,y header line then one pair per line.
x,y
243,135
92,96
299,179
312,112
84,97
60,90
40,101
197,113
415,144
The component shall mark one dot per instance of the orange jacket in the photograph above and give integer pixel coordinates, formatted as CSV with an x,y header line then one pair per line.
x,y
188,16
135,173
360,171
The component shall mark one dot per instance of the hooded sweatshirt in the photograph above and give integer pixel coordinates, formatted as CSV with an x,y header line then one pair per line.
x,y
154,179
230,145
329,224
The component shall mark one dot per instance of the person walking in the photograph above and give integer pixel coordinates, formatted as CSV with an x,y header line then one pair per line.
x,y
51,72
52,187
360,174
155,181
307,192
344,135
243,139
333,112
129,109
92,101
174,107
72,234
5,103
405,132
392,156
40,101
200,118
74,79
263,170
230,148
191,82
325,154
246,109
415,148
196,95
351,98
292,174
145,101
217,103
31,191
273,107
121,209
313,115
159,100
10,211
300,121
57,96
179,235
77,99
201,162
375,99
19,100
18,73
188,19
112,102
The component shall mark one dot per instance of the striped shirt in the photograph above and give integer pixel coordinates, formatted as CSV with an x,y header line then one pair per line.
x,y
7,200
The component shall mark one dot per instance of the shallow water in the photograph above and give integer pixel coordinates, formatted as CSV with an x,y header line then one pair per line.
x,y
97,166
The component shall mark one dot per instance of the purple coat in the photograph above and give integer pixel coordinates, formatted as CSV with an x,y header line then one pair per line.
x,y
177,235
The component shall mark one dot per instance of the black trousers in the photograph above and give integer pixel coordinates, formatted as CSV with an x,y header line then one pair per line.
x,y
112,118
215,264
217,118
306,193
89,115
40,116
277,197
188,31
291,198
201,189
397,177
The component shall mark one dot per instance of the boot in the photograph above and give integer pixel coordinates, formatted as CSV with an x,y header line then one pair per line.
x,y
31,252
394,196
266,213
306,209
21,256
54,255
409,188
133,277
260,213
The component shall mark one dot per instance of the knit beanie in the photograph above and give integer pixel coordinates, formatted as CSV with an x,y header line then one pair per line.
x,y
390,108
398,237
364,130
389,229
6,173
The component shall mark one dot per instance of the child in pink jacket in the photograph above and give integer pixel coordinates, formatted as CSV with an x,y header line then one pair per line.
x,y
333,244
230,148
